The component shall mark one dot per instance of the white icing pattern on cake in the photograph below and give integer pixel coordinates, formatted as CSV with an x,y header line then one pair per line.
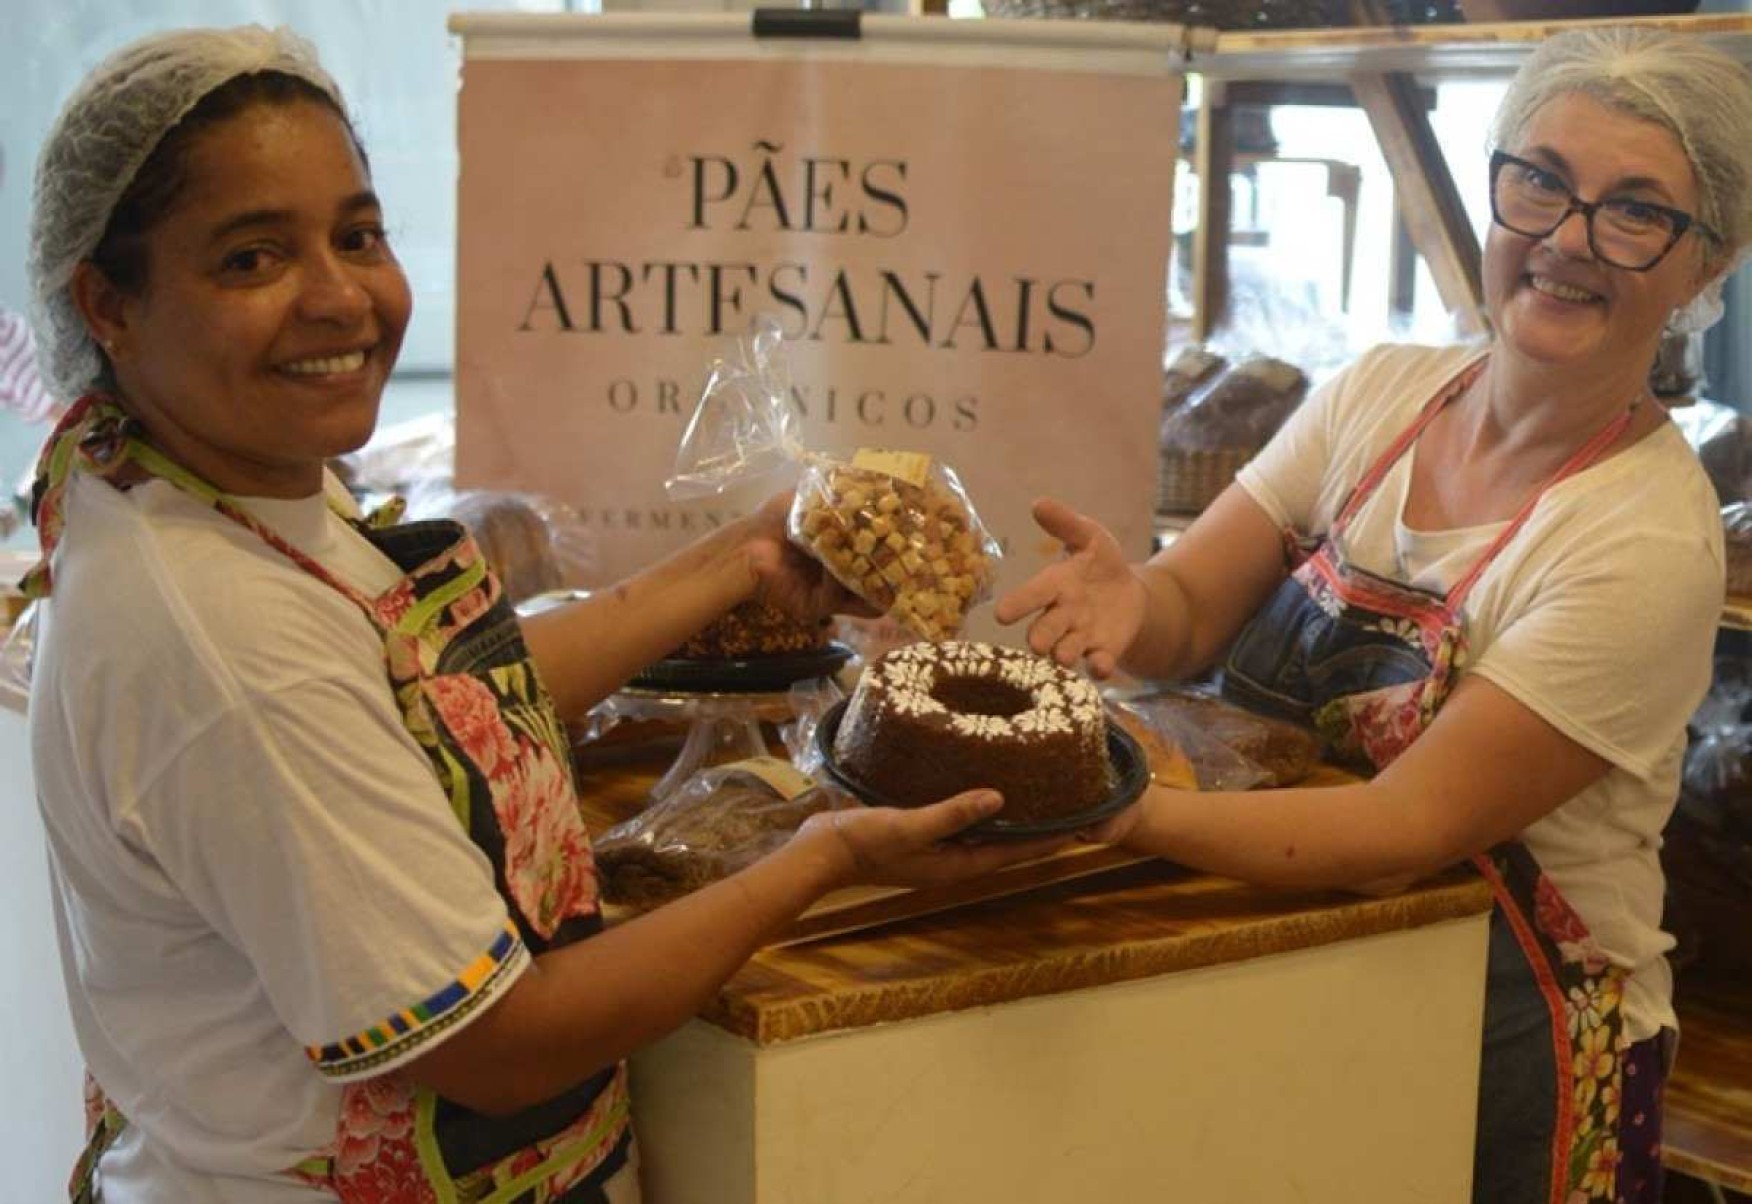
x,y
1059,702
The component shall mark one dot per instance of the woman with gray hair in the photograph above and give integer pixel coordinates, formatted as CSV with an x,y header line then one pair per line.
x,y
1490,577
328,914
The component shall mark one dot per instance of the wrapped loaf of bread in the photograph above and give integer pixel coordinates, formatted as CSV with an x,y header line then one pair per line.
x,y
1737,543
1187,373
719,821
1228,747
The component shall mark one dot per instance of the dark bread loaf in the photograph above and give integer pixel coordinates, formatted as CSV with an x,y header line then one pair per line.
x,y
697,836
1284,752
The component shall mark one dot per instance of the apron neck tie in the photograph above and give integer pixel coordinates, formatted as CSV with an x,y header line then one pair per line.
x,y
94,436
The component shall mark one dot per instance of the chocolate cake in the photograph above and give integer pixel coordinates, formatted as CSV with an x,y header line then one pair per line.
x,y
752,629
931,720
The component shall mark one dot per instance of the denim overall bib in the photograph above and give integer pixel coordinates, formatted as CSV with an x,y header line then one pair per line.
x,y
470,697
1368,661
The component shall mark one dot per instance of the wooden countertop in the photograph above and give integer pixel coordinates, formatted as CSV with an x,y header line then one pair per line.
x,y
1132,922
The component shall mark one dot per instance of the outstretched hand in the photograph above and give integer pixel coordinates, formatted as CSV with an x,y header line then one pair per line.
x,y
788,578
1091,604
895,846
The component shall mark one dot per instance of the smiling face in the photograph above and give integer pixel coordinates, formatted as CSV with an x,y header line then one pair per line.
x,y
272,308
1551,300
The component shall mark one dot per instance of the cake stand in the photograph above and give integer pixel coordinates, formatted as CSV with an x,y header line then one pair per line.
x,y
723,704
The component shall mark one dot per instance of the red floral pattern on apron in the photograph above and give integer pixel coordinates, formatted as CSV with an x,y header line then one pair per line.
x,y
472,700
1368,661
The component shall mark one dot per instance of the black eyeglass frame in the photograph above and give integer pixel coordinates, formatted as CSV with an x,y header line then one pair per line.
x,y
1682,221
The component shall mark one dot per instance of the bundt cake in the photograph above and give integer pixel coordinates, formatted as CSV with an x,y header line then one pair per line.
x,y
931,720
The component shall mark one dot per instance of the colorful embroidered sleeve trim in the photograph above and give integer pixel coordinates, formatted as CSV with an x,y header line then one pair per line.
x,y
394,1038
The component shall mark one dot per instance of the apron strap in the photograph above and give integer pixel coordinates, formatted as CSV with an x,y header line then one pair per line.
x,y
1384,463
96,436
1584,456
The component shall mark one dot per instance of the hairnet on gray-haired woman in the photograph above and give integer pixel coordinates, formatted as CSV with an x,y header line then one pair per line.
x,y
1683,84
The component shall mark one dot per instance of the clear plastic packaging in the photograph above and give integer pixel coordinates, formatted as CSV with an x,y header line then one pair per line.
x,y
723,817
1240,408
907,541
403,457
1717,776
1208,438
1737,544
534,544
719,821
1228,748
719,728
1722,439
1186,373
1678,367
18,648
1706,848
895,528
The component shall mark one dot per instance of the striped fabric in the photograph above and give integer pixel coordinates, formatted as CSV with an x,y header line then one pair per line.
x,y
392,1038
21,387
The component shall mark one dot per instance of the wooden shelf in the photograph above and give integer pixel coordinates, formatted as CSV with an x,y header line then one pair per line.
x,y
1387,69
1429,51
1737,614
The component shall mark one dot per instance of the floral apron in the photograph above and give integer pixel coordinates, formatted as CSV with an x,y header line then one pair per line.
x,y
1368,661
470,697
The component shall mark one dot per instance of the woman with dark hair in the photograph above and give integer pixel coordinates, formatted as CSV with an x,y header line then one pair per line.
x,y
327,910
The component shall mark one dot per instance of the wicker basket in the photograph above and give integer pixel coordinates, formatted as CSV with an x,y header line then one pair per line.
x,y
1191,478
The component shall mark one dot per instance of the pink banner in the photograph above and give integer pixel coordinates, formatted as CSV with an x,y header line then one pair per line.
x,y
966,261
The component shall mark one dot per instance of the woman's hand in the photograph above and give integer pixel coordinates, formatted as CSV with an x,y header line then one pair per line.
x,y
787,577
1116,829
895,846
1091,604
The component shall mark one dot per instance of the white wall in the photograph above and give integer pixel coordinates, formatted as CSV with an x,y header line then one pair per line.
x,y
41,1116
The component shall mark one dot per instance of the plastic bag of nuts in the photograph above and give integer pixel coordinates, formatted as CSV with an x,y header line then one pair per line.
x,y
895,528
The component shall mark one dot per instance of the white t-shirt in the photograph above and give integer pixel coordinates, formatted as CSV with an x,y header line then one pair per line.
x,y
250,854
1600,616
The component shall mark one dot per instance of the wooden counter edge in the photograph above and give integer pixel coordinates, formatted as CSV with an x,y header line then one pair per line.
x,y
1078,968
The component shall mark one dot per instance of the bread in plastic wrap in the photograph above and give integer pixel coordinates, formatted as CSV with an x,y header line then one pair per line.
x,y
721,820
1737,544
1228,747
1242,408
1186,373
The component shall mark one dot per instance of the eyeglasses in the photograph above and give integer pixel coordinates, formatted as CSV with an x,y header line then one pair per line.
x,y
1634,235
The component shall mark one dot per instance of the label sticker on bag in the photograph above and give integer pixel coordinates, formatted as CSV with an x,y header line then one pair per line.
x,y
911,467
780,774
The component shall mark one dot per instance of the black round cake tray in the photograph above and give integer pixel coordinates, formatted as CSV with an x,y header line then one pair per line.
x,y
747,675
1131,774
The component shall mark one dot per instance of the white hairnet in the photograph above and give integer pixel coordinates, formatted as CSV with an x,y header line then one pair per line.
x,y
105,133
1701,95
